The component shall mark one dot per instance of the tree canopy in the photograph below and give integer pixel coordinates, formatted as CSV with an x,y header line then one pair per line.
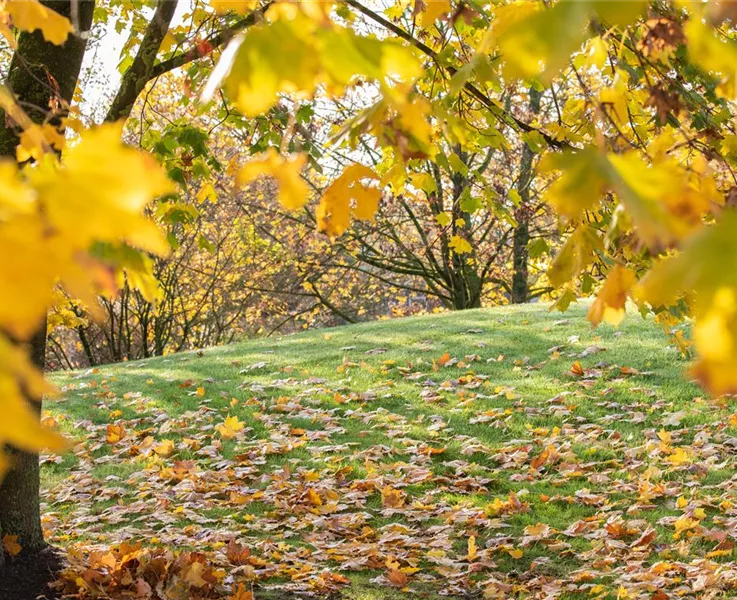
x,y
607,126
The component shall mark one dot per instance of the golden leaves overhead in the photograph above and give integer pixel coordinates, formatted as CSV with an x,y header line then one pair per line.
x,y
286,171
30,15
539,42
53,215
241,7
609,305
347,196
301,49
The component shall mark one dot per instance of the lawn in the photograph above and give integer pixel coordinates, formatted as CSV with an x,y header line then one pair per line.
x,y
504,453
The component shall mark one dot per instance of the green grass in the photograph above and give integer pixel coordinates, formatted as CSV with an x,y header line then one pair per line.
x,y
329,415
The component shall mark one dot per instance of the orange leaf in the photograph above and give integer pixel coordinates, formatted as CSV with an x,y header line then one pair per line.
x,y
11,545
115,433
398,578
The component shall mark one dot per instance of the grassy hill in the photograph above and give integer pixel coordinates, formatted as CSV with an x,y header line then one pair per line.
x,y
507,453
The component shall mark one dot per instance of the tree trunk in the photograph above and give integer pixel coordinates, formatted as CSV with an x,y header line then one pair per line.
x,y
523,214
40,75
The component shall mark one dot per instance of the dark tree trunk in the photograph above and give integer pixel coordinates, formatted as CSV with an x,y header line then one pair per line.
x,y
142,69
40,73
523,215
466,288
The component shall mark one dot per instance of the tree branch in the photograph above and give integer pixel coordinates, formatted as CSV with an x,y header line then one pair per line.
x,y
214,42
139,73
498,112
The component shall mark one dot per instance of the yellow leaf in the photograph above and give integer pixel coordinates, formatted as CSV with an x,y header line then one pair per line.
x,y
515,553
207,192
433,11
443,219
193,572
392,498
241,7
314,497
574,257
286,171
200,392
19,425
165,448
679,457
472,553
610,303
541,43
347,197
29,15
15,197
120,179
460,245
230,427
683,524
707,269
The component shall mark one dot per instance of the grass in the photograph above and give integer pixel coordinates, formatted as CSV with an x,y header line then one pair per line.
x,y
387,446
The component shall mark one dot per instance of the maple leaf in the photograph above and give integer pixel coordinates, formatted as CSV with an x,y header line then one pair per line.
x,y
392,498
286,171
347,196
115,433
460,245
610,303
239,592
165,448
29,15
230,427
241,7
679,457
237,554
398,578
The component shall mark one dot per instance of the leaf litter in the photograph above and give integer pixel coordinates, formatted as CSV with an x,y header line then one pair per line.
x,y
443,474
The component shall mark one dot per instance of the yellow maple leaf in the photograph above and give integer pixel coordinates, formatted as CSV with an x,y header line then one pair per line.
x,y
207,192
19,425
683,524
286,171
392,498
314,497
230,427
679,457
29,15
114,433
241,7
120,179
347,196
434,10
609,305
460,245
165,448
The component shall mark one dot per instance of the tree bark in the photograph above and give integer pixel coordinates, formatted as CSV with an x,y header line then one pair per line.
x,y
523,214
142,69
42,75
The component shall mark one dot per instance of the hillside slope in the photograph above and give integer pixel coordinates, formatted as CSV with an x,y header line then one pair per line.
x,y
506,452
